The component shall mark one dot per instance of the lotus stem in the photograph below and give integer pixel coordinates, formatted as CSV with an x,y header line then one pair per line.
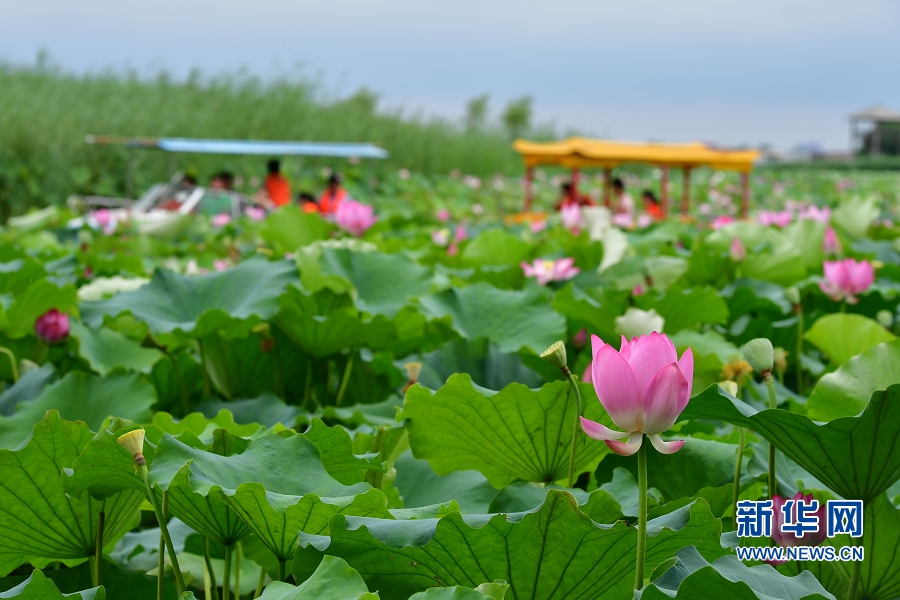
x,y
226,578
307,390
163,528
237,570
642,516
855,569
737,472
281,574
573,383
344,380
261,583
13,363
773,404
207,387
98,545
214,594
161,559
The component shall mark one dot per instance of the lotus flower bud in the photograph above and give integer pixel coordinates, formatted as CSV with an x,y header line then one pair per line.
x,y
581,339
133,441
556,355
52,326
886,318
729,386
737,250
792,294
760,354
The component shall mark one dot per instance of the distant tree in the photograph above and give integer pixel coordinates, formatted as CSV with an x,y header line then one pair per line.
x,y
517,116
476,112
363,101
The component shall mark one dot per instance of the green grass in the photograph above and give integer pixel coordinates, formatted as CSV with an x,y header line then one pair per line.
x,y
45,114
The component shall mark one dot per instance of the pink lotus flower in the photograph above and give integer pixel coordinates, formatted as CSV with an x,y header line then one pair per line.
x,y
220,264
452,250
221,220
638,290
52,326
440,237
580,339
778,218
722,221
845,279
460,234
571,218
643,387
737,251
546,271
623,220
443,215
354,217
103,217
788,540
538,226
814,213
255,213
831,244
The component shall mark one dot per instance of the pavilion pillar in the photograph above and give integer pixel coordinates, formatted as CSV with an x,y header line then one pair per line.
x,y
529,188
575,182
745,194
686,191
607,184
664,191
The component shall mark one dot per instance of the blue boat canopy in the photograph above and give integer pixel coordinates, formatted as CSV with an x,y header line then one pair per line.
x,y
262,147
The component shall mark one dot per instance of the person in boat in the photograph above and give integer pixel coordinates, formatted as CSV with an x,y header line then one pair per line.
x,y
570,196
333,195
278,190
623,203
308,203
652,206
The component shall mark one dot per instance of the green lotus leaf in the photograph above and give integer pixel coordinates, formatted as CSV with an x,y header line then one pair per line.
x,y
594,309
854,456
485,591
846,391
39,518
322,325
84,397
32,302
511,319
39,587
482,360
516,433
290,228
336,450
332,580
382,284
785,267
27,388
495,247
692,577
842,335
237,366
749,296
552,553
420,486
686,308
106,350
198,305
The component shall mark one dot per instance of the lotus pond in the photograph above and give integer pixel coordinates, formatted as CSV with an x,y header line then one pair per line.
x,y
314,414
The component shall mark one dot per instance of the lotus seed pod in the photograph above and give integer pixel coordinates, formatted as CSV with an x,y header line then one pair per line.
x,y
760,354
413,369
792,294
556,355
133,441
729,386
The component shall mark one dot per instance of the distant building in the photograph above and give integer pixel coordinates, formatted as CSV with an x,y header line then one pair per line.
x,y
875,131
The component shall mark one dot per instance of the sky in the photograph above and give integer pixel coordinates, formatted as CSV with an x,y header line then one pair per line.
x,y
779,72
